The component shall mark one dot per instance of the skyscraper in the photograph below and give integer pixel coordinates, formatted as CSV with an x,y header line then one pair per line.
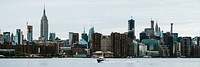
x,y
152,24
157,32
96,46
18,37
90,36
186,46
84,35
6,37
44,27
52,36
29,33
73,38
131,28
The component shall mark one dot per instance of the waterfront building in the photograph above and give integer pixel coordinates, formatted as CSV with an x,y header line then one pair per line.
x,y
1,38
135,47
169,45
96,45
185,46
121,45
106,43
142,50
116,46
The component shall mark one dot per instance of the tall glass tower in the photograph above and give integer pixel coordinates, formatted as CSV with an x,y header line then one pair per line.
x,y
44,27
29,33
131,28
52,36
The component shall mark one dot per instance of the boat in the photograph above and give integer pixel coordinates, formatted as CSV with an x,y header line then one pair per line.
x,y
100,59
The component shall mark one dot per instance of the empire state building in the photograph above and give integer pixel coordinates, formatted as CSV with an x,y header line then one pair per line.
x,y
44,27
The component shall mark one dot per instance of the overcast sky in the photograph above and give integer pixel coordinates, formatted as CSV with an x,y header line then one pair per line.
x,y
106,15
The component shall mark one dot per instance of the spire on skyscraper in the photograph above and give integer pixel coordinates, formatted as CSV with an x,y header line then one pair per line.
x,y
156,29
44,13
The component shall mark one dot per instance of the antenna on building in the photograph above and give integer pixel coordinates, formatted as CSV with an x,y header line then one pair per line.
x,y
44,4
171,28
84,28
26,22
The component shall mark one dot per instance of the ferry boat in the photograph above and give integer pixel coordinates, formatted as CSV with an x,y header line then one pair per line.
x,y
100,59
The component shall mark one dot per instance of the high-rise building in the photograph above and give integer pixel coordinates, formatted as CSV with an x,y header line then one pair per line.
x,y
195,47
70,38
18,37
84,36
185,46
143,35
29,33
149,32
96,45
52,36
44,27
12,38
168,42
116,46
91,32
157,32
91,35
6,37
131,28
175,37
106,43
152,24
73,38
121,45
1,38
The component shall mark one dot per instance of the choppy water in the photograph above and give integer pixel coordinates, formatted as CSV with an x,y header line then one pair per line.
x,y
91,62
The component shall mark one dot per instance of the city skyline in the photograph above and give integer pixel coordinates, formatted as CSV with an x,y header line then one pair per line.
x,y
71,16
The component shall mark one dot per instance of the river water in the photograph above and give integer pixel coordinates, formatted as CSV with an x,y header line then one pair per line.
x,y
91,62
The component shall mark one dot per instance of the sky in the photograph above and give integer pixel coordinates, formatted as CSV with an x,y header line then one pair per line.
x,y
106,16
